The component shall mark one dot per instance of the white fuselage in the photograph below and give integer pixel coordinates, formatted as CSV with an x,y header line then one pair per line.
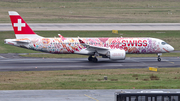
x,y
72,45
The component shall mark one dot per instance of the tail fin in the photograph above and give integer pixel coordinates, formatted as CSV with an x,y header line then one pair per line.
x,y
21,28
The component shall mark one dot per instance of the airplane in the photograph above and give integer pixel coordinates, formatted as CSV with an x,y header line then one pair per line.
x,y
112,48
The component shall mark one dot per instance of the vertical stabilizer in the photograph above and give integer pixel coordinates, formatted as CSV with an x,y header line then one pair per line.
x,y
21,28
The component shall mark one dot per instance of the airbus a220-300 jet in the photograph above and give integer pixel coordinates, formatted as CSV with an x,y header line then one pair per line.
x,y
112,48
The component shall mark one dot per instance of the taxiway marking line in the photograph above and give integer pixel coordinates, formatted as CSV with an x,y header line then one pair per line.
x,y
172,62
2,56
91,97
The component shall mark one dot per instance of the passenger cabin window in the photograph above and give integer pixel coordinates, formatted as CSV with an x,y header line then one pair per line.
x,y
163,43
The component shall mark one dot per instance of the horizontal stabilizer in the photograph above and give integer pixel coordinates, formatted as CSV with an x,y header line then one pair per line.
x,y
22,42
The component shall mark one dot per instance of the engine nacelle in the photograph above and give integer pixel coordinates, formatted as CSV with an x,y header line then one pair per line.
x,y
116,54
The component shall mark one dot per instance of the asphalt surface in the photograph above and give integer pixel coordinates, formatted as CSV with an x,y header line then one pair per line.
x,y
13,62
96,26
68,95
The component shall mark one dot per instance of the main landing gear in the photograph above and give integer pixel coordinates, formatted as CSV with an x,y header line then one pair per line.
x,y
92,59
159,58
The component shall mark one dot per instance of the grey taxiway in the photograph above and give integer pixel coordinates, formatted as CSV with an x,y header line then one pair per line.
x,y
96,26
16,63
68,95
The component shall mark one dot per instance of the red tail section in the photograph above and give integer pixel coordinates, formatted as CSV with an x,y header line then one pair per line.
x,y
21,28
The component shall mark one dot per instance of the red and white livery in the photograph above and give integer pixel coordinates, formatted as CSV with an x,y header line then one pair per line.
x,y
21,28
112,48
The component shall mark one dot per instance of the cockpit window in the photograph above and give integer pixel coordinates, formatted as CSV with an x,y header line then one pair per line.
x,y
163,43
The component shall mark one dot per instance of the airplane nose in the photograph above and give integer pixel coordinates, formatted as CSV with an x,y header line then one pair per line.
x,y
171,48
5,41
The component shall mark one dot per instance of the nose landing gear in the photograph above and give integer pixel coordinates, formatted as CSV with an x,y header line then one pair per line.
x,y
159,58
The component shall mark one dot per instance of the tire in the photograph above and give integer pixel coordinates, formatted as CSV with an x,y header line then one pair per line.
x,y
90,58
159,59
95,60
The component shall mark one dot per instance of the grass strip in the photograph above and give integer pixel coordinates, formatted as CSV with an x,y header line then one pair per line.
x,y
164,78
93,11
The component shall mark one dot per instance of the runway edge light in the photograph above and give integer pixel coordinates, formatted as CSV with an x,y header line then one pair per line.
x,y
153,69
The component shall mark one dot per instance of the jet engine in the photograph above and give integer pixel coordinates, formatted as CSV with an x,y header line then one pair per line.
x,y
116,54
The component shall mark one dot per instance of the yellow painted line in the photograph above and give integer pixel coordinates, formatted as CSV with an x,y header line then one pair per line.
x,y
172,62
91,97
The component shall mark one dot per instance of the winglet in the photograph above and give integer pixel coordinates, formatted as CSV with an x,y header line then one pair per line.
x,y
60,36
80,41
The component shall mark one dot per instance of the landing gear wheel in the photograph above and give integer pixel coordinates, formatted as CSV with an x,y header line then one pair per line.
x,y
90,58
95,59
159,59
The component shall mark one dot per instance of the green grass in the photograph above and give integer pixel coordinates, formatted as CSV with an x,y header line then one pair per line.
x,y
92,11
165,78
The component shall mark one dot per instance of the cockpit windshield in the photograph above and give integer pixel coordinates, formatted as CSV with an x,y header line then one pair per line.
x,y
163,43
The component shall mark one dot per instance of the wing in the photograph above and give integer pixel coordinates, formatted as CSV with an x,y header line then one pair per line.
x,y
90,47
114,54
60,36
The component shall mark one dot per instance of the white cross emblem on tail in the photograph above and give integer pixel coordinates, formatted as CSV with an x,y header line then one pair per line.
x,y
19,25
